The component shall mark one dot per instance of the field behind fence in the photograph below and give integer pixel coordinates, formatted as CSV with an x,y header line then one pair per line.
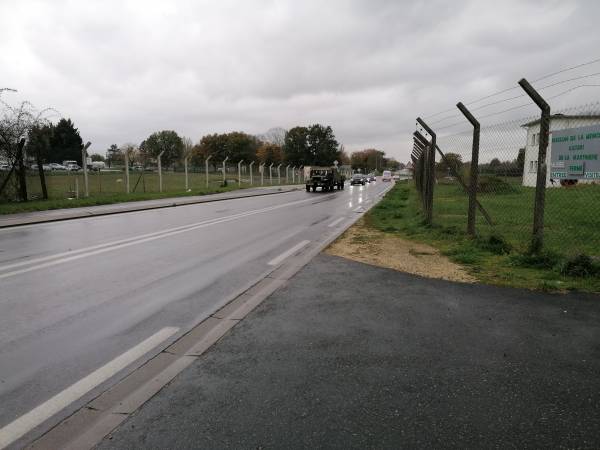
x,y
62,184
507,172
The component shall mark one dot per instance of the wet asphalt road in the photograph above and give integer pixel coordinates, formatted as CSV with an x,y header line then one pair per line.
x,y
353,356
76,294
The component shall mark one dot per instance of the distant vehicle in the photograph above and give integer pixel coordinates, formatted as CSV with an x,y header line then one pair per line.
x,y
4,167
33,167
357,178
57,166
98,165
327,178
387,176
395,177
73,167
69,162
371,177
46,167
137,167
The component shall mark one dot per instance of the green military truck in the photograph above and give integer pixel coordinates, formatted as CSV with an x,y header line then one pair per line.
x,y
327,178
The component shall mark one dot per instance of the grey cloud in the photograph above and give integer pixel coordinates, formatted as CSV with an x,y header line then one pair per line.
x,y
123,69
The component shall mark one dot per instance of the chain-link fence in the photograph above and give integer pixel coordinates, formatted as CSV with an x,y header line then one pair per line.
x,y
508,167
61,184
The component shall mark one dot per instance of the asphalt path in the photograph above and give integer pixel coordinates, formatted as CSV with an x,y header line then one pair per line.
x,y
84,301
348,355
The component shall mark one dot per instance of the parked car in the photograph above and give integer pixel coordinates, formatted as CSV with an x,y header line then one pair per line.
x,y
98,165
387,176
57,166
371,177
73,167
357,178
395,177
46,167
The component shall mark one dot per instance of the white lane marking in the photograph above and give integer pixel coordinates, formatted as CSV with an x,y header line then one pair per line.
x,y
110,246
335,222
287,253
19,427
359,209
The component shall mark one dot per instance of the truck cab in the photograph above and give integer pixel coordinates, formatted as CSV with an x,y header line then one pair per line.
x,y
327,178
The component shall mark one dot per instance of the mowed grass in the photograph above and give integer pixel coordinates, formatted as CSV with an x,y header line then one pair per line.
x,y
496,256
109,187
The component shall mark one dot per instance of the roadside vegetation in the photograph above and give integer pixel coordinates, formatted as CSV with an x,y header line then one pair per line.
x,y
498,255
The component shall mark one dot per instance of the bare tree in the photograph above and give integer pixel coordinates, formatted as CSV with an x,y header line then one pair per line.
x,y
15,124
274,136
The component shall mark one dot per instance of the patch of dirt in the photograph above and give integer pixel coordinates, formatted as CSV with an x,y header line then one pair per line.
x,y
367,245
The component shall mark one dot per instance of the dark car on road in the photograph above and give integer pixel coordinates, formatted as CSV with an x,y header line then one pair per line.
x,y
357,178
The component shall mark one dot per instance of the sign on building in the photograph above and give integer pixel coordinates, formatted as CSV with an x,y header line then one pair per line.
x,y
575,153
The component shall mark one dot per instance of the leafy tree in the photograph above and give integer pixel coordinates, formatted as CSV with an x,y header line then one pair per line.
x,y
273,136
114,155
166,141
38,146
369,160
322,145
451,165
235,145
311,146
270,154
66,143
296,146
97,157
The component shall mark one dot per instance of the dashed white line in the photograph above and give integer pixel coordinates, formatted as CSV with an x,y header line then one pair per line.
x,y
287,253
19,427
335,222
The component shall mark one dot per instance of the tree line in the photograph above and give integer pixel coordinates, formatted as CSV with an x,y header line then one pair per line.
x,y
28,136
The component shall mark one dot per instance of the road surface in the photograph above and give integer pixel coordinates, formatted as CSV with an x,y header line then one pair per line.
x,y
83,302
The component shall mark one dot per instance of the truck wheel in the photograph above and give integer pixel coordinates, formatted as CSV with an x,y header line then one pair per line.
x,y
307,188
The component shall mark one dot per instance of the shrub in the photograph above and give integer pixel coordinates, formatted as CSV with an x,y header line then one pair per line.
x,y
580,266
495,244
494,185
544,260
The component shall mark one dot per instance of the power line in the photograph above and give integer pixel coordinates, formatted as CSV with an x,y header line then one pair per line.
x,y
519,96
520,106
587,63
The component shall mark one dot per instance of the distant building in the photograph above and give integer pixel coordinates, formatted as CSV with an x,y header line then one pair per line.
x,y
557,122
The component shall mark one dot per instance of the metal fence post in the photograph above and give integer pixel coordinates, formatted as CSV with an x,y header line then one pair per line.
x,y
294,175
430,172
271,174
224,161
86,186
160,171
251,180
261,169
287,177
206,167
300,174
126,156
474,176
185,168
240,172
278,174
537,241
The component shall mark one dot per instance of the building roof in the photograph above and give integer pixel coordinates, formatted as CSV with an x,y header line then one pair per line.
x,y
563,116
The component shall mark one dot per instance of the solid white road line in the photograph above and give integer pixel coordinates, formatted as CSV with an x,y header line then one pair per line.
x,y
358,209
60,258
27,422
287,253
335,222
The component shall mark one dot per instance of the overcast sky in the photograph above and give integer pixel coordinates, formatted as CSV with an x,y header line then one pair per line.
x,y
124,69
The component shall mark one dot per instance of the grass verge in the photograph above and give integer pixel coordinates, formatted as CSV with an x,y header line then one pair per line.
x,y
490,258
102,199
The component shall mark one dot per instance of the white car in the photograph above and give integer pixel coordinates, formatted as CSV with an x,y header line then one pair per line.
x,y
57,166
387,176
73,167
395,177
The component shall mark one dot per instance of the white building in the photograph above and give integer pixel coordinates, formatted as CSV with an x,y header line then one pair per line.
x,y
557,122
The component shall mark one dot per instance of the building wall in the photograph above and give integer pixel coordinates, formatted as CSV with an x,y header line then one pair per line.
x,y
532,147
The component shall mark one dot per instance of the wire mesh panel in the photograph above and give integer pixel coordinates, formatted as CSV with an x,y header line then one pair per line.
x,y
508,170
